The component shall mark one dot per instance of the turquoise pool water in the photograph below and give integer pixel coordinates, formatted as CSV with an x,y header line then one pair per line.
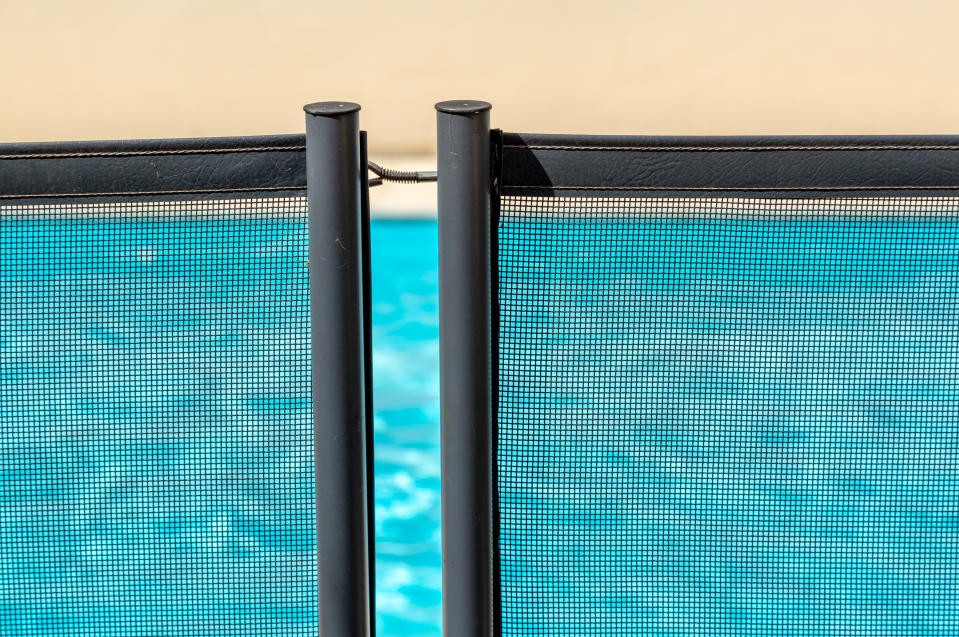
x,y
406,390
730,422
805,475
156,457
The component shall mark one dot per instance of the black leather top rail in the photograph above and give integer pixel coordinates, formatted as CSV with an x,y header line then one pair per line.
x,y
630,166
171,168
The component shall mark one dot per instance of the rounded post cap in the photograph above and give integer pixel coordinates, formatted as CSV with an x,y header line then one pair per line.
x,y
463,107
331,109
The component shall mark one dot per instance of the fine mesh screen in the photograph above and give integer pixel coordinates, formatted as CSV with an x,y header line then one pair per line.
x,y
728,416
155,420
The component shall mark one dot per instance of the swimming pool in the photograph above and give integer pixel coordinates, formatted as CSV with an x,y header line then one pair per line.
x,y
156,460
407,434
77,556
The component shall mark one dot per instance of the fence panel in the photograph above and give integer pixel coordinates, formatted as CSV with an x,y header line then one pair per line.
x,y
725,385
155,389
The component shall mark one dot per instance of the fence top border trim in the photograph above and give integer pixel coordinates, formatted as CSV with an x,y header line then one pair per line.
x,y
262,166
760,166
728,143
148,147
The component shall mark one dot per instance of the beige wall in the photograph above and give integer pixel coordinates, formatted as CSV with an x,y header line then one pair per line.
x,y
81,69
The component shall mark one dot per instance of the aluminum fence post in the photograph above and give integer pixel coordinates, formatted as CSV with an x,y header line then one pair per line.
x,y
463,165
339,405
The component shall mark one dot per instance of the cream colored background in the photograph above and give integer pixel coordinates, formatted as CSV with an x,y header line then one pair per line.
x,y
94,69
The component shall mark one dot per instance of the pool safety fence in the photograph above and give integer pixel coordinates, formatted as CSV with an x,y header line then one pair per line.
x,y
184,380
689,385
698,385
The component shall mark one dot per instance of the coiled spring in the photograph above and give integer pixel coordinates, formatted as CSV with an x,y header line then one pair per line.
x,y
400,176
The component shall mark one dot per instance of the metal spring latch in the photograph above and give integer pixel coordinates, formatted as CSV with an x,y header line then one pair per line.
x,y
401,176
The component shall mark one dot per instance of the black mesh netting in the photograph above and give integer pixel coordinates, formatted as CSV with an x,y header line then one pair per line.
x,y
728,416
155,420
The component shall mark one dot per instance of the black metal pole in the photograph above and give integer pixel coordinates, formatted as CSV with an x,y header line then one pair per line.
x,y
463,164
333,173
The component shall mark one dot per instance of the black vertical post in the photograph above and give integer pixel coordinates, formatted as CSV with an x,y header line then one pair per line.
x,y
334,173
463,165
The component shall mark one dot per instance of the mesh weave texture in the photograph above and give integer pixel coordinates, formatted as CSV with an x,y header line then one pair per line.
x,y
728,416
155,420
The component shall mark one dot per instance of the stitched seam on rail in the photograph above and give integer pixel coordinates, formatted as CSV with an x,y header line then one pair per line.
x,y
734,189
68,195
726,148
145,153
